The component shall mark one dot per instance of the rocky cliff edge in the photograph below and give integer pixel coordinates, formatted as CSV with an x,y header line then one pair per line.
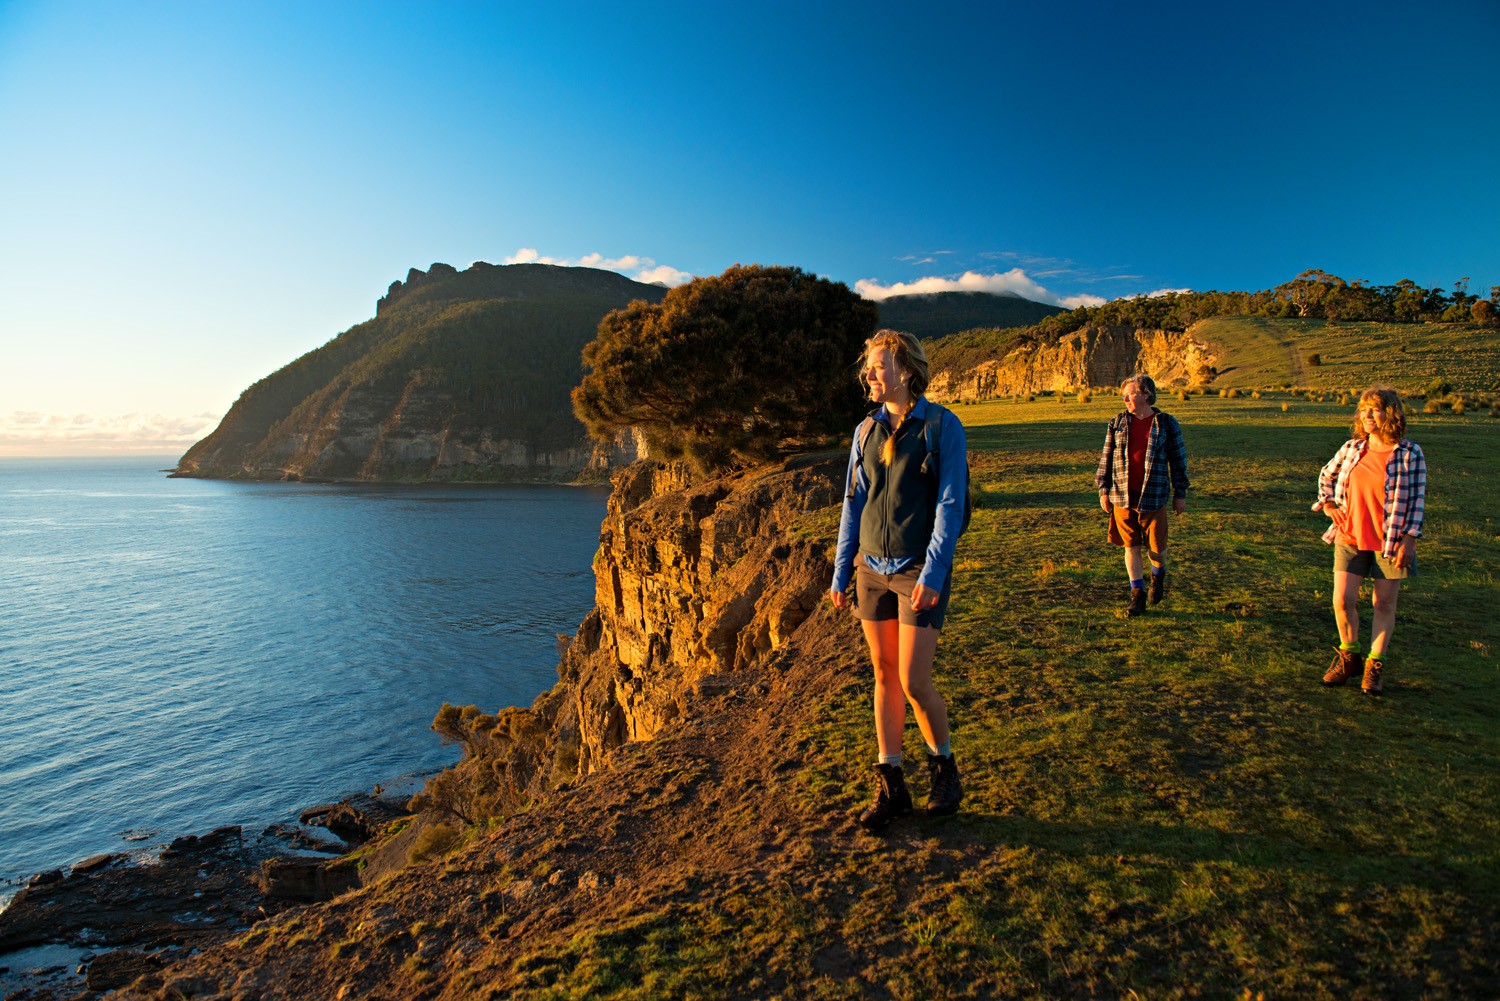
x,y
662,768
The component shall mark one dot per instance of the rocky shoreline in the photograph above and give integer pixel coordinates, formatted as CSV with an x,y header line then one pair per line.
x,y
101,923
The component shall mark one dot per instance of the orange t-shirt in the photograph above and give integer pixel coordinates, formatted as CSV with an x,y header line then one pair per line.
x,y
1364,500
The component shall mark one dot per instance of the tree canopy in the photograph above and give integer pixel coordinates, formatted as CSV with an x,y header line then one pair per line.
x,y
730,369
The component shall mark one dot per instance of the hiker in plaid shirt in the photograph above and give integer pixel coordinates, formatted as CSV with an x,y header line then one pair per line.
x,y
1143,465
1374,491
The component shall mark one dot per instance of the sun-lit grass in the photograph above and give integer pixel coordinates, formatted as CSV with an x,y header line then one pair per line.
x,y
1173,804
1263,352
1168,806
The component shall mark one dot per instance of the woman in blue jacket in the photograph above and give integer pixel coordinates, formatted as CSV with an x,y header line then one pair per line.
x,y
904,508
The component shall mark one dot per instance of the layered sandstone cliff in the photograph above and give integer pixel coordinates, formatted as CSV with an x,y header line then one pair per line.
x,y
695,584
1092,356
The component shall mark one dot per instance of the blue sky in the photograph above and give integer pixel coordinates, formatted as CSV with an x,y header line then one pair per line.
x,y
193,194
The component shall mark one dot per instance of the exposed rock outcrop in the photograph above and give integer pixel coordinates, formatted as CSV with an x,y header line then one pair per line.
x,y
1092,356
695,583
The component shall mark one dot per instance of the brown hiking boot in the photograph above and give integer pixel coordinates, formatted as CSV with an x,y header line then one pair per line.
x,y
1137,601
892,799
1345,666
1373,684
1158,587
946,793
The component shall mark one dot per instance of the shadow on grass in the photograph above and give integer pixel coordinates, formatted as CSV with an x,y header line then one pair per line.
x,y
1195,845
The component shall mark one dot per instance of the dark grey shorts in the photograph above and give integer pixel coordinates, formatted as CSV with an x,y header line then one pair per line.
x,y
880,597
1368,563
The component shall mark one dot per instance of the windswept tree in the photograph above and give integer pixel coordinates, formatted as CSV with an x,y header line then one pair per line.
x,y
731,369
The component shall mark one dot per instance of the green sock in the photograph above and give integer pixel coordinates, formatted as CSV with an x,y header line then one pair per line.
x,y
1348,646
1379,655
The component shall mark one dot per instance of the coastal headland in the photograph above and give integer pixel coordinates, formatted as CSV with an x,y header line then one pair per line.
x,y
1170,805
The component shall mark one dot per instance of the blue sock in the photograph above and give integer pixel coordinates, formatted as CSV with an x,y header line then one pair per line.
x,y
943,751
891,759
1138,584
1158,571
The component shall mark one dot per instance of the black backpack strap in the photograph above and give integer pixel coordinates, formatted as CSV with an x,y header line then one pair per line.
x,y
932,433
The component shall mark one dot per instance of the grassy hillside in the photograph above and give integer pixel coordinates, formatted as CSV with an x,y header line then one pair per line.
x,y
1261,352
1170,806
1173,806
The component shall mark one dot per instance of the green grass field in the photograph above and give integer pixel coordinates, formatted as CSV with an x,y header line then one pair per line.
x,y
1173,805
1262,352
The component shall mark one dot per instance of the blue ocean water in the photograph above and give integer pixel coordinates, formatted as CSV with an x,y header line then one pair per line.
x,y
176,655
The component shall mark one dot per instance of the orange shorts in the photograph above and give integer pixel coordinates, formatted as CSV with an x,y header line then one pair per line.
x,y
1129,526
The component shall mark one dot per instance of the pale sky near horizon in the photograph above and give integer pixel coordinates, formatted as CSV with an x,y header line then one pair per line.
x,y
194,194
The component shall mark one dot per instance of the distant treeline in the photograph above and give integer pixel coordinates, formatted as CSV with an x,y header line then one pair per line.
x,y
1312,294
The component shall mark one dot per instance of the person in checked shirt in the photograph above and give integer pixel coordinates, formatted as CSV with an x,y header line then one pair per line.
x,y
1142,467
1373,490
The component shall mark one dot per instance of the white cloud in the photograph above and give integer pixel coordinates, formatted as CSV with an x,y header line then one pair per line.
x,y
642,269
1015,281
32,433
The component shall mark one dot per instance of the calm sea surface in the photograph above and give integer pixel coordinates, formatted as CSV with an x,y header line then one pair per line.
x,y
176,655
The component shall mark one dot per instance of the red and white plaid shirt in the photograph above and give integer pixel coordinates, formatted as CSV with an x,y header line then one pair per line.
x,y
1405,489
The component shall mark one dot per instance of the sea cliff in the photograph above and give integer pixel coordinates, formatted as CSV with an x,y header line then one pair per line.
x,y
655,770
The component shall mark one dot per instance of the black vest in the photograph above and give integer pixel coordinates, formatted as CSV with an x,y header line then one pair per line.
x,y
901,505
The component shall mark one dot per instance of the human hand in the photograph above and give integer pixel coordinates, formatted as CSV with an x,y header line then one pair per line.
x,y
923,598
1179,504
1406,552
1104,501
840,599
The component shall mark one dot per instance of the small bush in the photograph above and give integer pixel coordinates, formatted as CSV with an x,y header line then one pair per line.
x,y
1432,407
1315,359
1344,400
1030,397
1495,410
1255,394
1182,395
1439,387
434,842
1084,396
1458,408
1224,394
1286,407
1234,394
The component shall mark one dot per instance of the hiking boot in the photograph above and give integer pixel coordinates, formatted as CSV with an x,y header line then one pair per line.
x,y
1345,666
1158,587
1373,684
946,792
891,799
1137,601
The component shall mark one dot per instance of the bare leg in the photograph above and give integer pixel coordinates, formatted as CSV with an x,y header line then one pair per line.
x,y
1383,618
1346,605
1158,558
1133,562
890,703
918,645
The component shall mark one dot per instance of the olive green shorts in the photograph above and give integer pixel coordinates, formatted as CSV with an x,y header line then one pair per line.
x,y
1368,563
